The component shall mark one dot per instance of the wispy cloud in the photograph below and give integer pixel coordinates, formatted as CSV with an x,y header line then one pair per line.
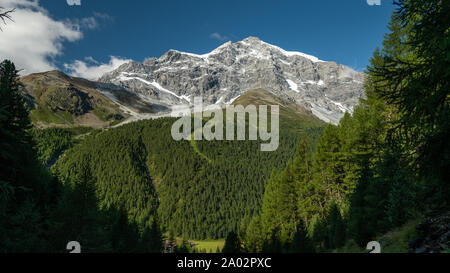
x,y
92,69
218,36
92,22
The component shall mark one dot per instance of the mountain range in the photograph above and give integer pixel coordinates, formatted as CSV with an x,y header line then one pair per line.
x,y
327,89
324,89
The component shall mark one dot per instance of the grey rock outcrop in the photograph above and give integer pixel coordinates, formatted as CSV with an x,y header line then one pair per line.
x,y
435,236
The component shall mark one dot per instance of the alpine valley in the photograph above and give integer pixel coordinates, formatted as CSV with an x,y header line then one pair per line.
x,y
362,156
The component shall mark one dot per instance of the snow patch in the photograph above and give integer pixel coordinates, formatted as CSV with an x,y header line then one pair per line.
x,y
153,83
293,85
207,55
232,100
295,53
339,105
220,100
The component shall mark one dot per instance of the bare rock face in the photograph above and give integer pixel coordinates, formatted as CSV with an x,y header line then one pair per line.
x,y
327,89
435,236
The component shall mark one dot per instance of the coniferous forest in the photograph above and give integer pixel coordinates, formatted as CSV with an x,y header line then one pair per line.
x,y
327,188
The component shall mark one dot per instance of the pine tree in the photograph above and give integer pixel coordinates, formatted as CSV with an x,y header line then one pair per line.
x,y
151,239
26,190
317,231
303,173
301,242
254,239
15,141
124,235
361,228
273,242
336,227
232,244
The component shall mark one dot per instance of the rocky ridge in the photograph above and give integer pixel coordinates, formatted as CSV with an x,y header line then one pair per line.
x,y
326,89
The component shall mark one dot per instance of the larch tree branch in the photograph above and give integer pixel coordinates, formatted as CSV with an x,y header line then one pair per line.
x,y
5,16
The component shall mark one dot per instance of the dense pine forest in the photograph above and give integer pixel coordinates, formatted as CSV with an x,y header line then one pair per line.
x,y
203,188
41,213
127,189
380,167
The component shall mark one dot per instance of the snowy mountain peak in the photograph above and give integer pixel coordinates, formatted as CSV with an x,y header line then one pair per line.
x,y
327,89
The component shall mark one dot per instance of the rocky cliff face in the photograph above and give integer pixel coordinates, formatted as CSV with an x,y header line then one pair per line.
x,y
327,89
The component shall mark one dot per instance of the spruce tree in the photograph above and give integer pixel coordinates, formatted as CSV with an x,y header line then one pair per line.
x,y
301,242
336,227
232,244
15,141
26,190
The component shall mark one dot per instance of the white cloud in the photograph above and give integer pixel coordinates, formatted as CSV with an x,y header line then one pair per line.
x,y
34,39
91,69
218,36
91,60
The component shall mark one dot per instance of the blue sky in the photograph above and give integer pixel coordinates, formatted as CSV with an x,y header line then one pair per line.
x,y
345,31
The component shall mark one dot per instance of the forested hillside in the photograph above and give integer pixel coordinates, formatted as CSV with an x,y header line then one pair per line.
x,y
205,188
40,213
380,167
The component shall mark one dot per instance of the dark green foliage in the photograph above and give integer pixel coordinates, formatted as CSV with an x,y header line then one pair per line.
x,y
26,190
301,243
336,227
279,210
232,243
205,188
362,220
273,242
389,160
413,77
408,85
151,239
317,232
40,214
184,247
15,142
50,143
254,239
118,169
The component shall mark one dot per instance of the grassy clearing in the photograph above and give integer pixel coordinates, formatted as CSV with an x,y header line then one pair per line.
x,y
202,246
210,246
46,116
197,151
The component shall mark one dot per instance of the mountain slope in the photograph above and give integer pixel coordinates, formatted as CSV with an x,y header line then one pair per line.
x,y
327,89
56,99
202,194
